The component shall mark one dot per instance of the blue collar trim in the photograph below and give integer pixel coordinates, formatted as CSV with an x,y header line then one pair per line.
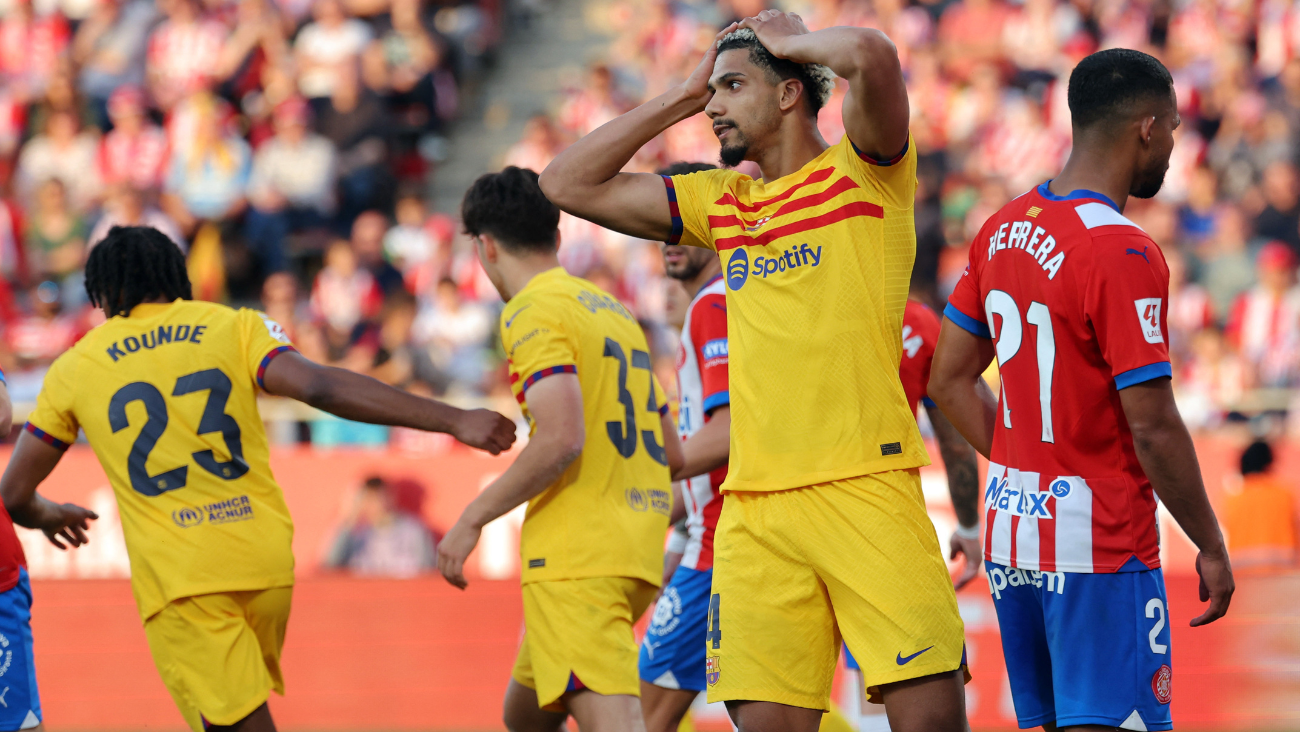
x,y
1074,195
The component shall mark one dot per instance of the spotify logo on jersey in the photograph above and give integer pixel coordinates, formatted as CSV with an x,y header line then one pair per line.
x,y
737,269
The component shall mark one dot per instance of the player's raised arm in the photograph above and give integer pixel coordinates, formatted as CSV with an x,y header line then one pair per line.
x,y
1165,450
876,111
363,399
585,180
31,462
556,406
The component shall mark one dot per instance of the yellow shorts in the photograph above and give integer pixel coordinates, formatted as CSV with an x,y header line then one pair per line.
x,y
578,635
219,654
795,569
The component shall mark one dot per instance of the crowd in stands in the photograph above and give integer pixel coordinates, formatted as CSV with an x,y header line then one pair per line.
x,y
286,144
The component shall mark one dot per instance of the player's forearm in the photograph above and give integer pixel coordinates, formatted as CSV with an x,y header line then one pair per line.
x,y
970,406
31,463
37,512
538,466
709,448
848,51
363,399
1168,457
962,466
584,179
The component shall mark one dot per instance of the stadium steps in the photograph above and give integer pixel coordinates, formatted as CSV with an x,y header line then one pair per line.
x,y
544,49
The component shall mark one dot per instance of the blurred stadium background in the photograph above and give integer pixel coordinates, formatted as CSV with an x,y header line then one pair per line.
x,y
310,156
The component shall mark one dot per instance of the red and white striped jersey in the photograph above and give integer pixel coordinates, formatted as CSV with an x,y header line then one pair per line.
x,y
702,387
1073,294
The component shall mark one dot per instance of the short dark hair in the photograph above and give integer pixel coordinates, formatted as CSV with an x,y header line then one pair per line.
x,y
133,264
1257,458
684,168
511,207
1105,85
817,80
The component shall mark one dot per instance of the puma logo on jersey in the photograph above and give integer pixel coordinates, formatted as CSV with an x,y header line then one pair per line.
x,y
1142,254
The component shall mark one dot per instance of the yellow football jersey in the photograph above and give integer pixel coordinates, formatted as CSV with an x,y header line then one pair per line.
x,y
168,400
607,514
817,266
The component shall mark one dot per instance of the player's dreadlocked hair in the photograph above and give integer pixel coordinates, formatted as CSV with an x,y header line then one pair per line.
x,y
818,81
133,264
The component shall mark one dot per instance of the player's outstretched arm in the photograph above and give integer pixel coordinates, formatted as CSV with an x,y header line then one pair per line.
x,y
876,112
1165,450
585,181
556,406
964,486
6,410
31,463
957,384
363,399
709,448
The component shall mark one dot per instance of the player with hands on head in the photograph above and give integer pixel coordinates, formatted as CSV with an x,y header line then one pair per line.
x,y
595,471
166,393
1071,298
816,256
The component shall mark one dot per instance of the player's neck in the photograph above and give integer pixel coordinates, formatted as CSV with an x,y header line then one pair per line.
x,y
795,145
1094,169
517,272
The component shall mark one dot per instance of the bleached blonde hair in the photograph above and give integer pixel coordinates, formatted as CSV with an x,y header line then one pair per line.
x,y
818,81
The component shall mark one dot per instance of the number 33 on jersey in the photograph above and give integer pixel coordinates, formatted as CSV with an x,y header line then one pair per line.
x,y
606,515
168,401
1071,292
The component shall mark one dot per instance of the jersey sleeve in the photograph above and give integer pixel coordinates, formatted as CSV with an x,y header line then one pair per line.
x,y
1125,302
709,334
965,306
688,199
264,339
54,420
894,179
536,343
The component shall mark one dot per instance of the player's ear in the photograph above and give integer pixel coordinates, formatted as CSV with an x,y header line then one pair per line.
x,y
487,248
791,93
1146,128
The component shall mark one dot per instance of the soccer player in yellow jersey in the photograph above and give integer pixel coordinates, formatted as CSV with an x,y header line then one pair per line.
x,y
823,531
166,393
594,473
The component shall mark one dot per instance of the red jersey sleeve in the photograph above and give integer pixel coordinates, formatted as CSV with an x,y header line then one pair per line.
x,y
709,334
1126,301
965,305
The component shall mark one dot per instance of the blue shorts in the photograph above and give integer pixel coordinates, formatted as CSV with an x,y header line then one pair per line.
x,y
1085,648
20,704
672,654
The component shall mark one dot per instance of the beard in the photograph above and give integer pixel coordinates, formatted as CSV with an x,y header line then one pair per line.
x,y
688,268
732,155
1149,184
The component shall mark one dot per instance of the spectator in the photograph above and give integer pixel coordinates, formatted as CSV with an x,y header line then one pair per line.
x,y
208,176
62,152
1280,219
378,540
354,120
36,339
455,333
30,47
409,245
1265,322
326,45
126,206
292,184
55,240
970,33
345,294
540,144
280,302
1190,308
403,58
1228,270
184,53
1261,518
135,150
110,47
368,243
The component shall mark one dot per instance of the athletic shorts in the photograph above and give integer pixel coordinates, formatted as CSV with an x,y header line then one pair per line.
x,y
578,635
1085,648
20,702
792,570
672,654
219,654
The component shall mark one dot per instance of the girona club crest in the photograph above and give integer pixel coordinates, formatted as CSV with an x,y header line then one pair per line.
x,y
1162,684
712,669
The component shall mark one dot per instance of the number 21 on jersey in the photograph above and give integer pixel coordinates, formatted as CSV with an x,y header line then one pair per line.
x,y
1010,336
